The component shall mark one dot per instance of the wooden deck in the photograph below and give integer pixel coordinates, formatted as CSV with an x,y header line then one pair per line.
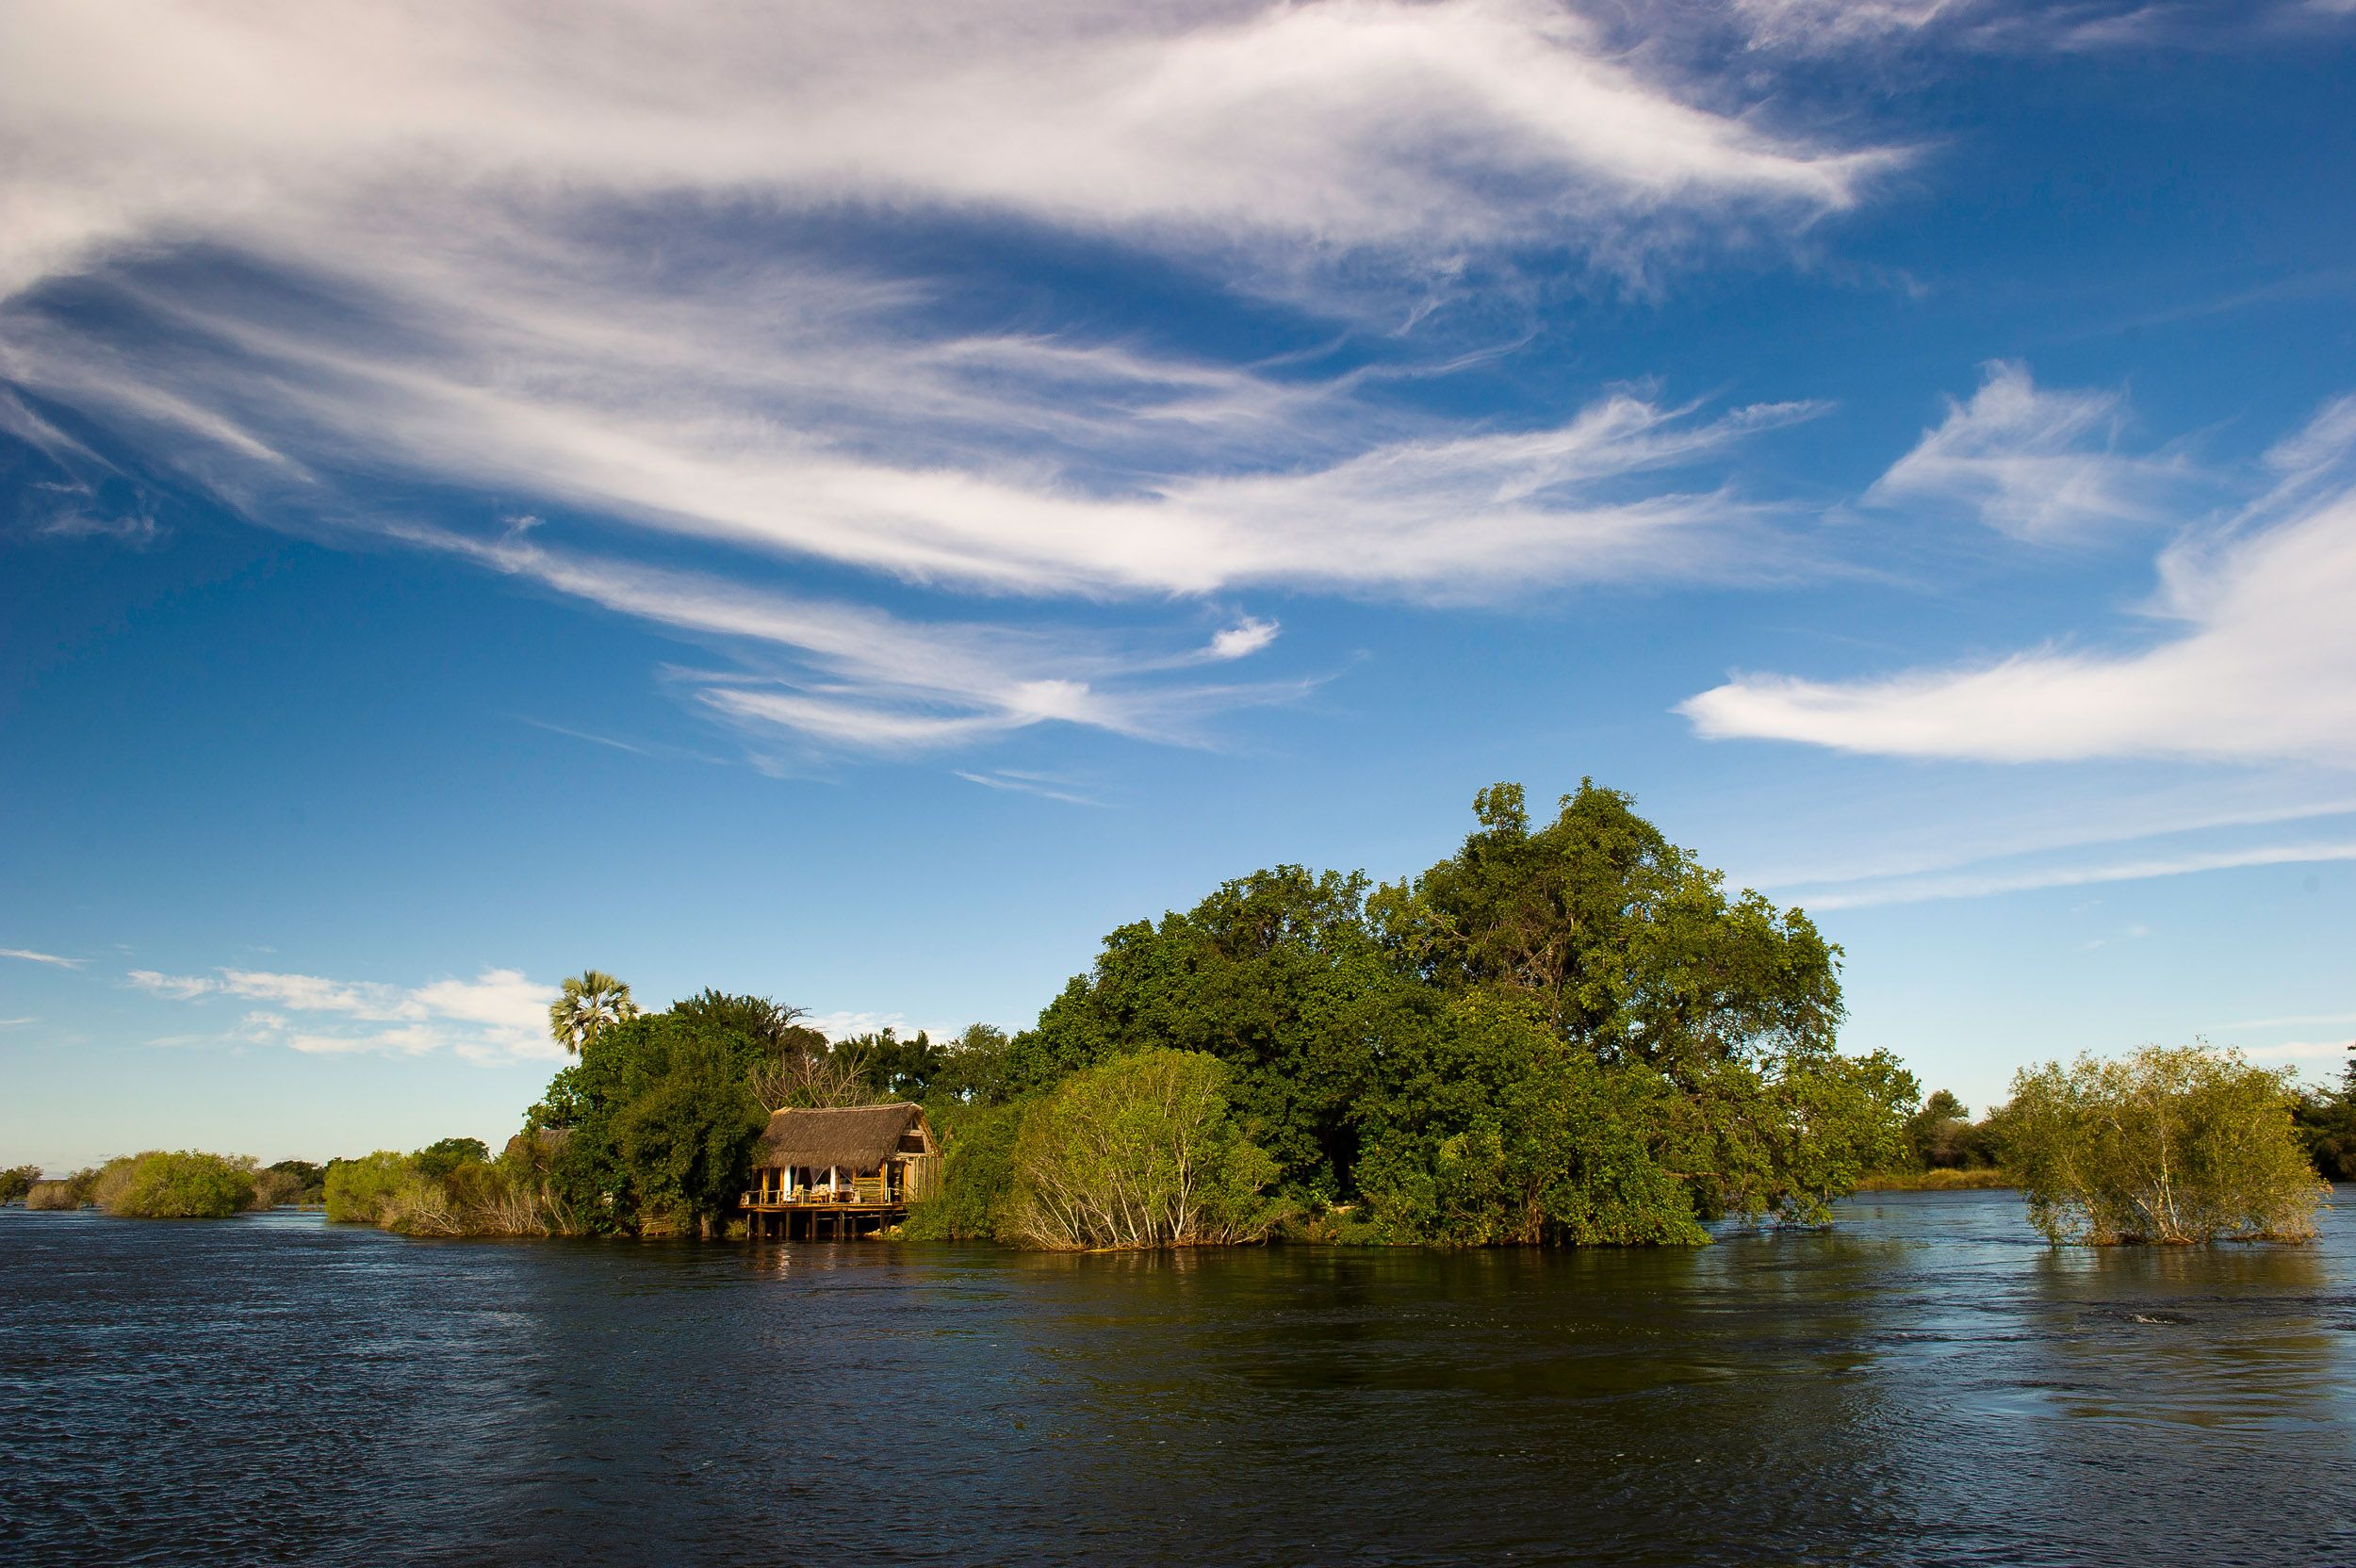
x,y
789,1219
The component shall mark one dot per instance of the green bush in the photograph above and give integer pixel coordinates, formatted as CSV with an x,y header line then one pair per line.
x,y
358,1191
1139,1152
183,1185
976,1173
17,1180
2170,1145
504,1197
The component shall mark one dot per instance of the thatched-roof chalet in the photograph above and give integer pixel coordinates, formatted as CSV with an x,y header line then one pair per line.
x,y
860,1139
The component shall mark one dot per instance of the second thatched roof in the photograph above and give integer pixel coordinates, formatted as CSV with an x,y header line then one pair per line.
x,y
859,1138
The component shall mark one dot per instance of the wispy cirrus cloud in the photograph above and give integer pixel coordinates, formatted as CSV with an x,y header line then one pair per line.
x,y
497,1015
1981,882
1042,785
28,956
862,678
2068,27
2255,669
602,272
2033,462
1351,124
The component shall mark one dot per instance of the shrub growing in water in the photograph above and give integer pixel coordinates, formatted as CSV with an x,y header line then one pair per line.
x,y
183,1185
52,1195
1141,1151
2171,1145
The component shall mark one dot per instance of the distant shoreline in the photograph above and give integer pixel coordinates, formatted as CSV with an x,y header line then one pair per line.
x,y
1938,1181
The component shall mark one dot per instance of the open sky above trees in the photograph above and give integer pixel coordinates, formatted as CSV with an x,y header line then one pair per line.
x,y
853,512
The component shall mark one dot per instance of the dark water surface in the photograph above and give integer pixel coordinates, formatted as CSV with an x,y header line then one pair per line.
x,y
1924,1385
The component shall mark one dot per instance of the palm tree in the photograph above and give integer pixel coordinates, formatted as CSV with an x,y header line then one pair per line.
x,y
592,1001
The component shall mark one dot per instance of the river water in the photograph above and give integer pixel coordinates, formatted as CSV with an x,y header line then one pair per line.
x,y
1926,1384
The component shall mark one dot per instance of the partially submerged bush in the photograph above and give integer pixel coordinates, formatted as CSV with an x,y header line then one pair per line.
x,y
1139,1152
176,1185
52,1195
2170,1145
444,1191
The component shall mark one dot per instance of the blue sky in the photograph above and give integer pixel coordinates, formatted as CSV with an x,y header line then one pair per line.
x,y
852,511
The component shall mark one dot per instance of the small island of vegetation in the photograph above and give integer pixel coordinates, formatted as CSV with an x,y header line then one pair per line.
x,y
1566,1034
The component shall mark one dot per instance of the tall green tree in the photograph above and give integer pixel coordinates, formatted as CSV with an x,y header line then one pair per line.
x,y
591,1002
2327,1124
652,1129
1631,951
1276,974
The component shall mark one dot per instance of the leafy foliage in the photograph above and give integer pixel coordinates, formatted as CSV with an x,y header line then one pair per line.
x,y
304,1183
977,1069
437,1160
591,1002
361,1191
657,1119
2170,1145
185,1185
1943,1137
977,1143
2327,1125
1139,1152
17,1180
1497,1130
1276,974
448,1188
894,1067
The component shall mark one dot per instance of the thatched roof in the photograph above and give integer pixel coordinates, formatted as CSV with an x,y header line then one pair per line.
x,y
859,1137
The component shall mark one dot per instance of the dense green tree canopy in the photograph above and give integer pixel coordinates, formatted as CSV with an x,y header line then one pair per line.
x,y
656,1121
1278,976
1561,1033
1630,946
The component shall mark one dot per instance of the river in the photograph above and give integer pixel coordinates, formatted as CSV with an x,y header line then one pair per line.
x,y
1925,1384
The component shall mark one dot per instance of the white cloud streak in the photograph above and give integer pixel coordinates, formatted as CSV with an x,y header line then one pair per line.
x,y
28,956
2257,671
876,682
1984,884
499,1015
1857,28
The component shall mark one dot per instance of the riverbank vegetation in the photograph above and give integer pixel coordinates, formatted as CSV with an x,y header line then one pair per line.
x,y
1567,1032
1944,1150
451,1188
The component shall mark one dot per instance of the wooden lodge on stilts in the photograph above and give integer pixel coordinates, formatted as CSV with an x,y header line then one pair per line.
x,y
834,1174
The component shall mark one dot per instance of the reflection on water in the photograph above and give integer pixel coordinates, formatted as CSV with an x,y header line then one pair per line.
x,y
1926,1384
